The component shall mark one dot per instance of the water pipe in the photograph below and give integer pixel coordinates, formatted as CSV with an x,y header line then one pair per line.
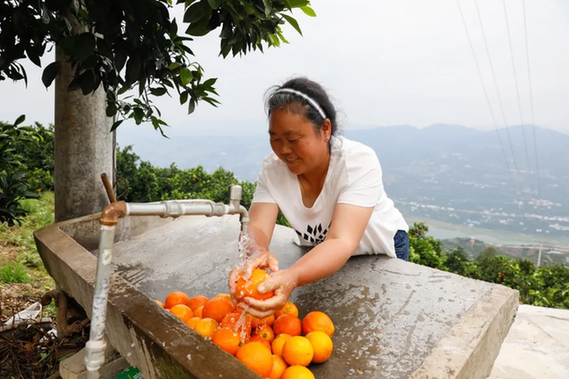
x,y
95,347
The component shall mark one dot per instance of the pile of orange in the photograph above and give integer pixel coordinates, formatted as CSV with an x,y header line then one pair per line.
x,y
280,346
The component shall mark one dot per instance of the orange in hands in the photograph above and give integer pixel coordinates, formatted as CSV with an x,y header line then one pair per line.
x,y
249,288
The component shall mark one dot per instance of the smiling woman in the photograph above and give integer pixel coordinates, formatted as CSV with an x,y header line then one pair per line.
x,y
329,189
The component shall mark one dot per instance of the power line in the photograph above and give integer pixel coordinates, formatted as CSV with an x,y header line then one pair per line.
x,y
497,89
485,92
531,99
517,87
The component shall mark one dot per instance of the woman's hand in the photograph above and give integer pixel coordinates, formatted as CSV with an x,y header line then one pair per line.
x,y
283,283
262,260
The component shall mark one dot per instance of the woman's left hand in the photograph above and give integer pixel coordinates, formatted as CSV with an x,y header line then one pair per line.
x,y
283,283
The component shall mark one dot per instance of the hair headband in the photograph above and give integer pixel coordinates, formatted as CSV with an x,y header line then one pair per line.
x,y
310,100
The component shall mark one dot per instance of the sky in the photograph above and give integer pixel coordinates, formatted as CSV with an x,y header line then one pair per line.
x,y
384,62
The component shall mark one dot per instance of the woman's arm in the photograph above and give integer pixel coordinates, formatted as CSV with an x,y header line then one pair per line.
x,y
348,226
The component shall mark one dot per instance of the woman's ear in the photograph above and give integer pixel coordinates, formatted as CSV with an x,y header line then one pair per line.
x,y
327,129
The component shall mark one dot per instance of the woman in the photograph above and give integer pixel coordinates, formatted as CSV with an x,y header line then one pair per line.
x,y
329,189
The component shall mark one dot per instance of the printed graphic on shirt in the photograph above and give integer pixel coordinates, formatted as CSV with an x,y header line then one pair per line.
x,y
314,234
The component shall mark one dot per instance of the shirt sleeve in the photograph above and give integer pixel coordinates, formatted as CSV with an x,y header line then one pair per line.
x,y
364,179
262,192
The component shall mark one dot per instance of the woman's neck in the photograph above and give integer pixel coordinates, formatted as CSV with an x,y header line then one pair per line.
x,y
316,177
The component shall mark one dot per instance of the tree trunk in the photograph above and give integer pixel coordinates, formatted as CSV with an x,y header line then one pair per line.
x,y
84,148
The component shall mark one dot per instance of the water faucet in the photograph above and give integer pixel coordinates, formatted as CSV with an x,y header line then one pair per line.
x,y
109,219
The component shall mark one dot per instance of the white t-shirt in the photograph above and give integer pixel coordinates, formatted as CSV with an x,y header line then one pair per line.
x,y
354,177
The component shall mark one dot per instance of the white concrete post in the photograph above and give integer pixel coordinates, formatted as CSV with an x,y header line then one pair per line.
x,y
84,148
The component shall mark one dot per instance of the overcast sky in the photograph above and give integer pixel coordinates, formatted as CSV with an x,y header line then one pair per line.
x,y
385,63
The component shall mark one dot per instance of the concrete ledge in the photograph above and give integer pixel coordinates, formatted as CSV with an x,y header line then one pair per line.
x,y
471,346
74,367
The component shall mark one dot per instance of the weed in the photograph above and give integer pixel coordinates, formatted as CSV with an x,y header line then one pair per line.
x,y
14,272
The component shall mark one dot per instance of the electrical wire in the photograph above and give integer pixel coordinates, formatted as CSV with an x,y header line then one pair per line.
x,y
485,92
497,89
531,100
517,89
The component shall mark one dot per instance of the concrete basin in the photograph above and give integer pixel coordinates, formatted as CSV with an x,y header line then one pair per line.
x,y
393,319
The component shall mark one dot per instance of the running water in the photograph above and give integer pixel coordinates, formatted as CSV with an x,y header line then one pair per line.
x,y
244,246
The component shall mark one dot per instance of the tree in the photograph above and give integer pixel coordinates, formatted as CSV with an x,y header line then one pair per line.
x,y
106,49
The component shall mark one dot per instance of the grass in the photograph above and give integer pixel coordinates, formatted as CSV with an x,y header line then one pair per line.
x,y
23,277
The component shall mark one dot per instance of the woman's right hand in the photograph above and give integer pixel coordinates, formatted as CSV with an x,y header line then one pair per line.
x,y
260,259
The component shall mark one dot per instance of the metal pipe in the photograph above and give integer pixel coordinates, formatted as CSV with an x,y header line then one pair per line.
x,y
95,347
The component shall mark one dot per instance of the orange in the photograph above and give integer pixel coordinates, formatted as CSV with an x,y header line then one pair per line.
x,y
288,324
198,312
298,351
249,288
225,296
318,321
183,312
322,346
197,301
256,322
227,339
193,322
237,322
265,331
175,298
257,357
297,372
206,327
217,308
279,366
261,340
159,303
288,308
278,342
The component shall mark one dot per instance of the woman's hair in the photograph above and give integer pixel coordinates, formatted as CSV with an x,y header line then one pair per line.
x,y
304,97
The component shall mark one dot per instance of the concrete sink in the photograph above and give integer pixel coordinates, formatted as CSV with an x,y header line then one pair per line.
x,y
393,319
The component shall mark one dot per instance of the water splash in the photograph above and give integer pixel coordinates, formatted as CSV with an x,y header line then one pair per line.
x,y
245,245
242,325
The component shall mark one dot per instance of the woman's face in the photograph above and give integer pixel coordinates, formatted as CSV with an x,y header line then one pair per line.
x,y
295,141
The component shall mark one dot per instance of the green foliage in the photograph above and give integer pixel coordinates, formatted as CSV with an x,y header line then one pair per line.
x,y
14,186
423,249
140,181
135,45
14,272
546,286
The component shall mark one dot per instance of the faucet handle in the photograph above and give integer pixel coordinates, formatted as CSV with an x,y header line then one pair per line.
x,y
235,195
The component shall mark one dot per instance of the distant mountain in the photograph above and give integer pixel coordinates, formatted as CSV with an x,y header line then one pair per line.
x,y
444,172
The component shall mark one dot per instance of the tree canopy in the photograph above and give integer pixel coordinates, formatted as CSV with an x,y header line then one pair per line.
x,y
137,44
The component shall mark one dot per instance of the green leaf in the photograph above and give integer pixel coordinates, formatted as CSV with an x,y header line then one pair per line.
x,y
174,65
214,4
133,68
50,72
111,109
209,82
191,106
84,45
183,97
268,7
186,76
116,125
19,120
197,12
158,91
308,11
297,3
293,22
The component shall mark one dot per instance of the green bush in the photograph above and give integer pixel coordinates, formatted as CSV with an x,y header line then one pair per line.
x,y
14,185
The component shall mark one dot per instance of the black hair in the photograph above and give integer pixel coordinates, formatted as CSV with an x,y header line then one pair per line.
x,y
299,105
